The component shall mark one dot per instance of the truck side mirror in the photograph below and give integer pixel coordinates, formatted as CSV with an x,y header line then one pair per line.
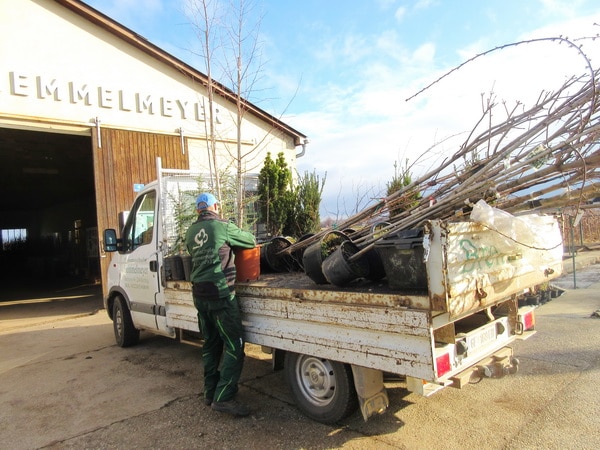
x,y
110,240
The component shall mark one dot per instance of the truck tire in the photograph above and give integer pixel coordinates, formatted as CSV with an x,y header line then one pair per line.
x,y
125,333
323,389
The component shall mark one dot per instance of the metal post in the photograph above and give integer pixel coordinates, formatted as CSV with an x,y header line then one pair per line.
x,y
573,252
182,141
98,133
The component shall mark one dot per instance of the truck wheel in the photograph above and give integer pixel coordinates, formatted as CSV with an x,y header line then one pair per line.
x,y
125,333
323,389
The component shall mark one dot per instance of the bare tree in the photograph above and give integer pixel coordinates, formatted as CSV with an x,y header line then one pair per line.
x,y
244,49
363,193
205,16
235,26
229,36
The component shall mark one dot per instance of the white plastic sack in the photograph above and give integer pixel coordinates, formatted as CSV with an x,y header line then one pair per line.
x,y
528,230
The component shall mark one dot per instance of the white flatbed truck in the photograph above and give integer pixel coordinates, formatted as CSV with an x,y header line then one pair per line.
x,y
335,344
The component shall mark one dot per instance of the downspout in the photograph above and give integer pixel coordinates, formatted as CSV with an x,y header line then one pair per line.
x,y
301,154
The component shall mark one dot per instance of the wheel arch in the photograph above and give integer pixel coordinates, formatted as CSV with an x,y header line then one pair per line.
x,y
110,300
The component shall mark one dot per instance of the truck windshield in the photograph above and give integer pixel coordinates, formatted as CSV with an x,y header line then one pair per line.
x,y
139,228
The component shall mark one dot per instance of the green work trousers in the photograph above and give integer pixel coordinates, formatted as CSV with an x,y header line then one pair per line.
x,y
222,332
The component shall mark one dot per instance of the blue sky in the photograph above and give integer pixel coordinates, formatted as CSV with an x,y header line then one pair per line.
x,y
340,72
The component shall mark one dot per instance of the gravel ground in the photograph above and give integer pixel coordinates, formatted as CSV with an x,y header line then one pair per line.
x,y
64,384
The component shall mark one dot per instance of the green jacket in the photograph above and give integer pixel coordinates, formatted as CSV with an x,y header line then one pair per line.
x,y
210,240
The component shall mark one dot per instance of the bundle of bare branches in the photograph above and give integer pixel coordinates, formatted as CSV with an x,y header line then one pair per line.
x,y
544,156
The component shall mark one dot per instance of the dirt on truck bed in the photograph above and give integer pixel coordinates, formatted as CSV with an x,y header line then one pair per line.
x,y
297,286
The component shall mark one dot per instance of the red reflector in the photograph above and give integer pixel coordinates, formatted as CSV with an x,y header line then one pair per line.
x,y
442,364
528,320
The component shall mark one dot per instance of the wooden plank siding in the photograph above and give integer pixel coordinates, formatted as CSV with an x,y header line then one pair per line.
x,y
124,159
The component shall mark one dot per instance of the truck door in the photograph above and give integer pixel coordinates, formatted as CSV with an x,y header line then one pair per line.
x,y
139,275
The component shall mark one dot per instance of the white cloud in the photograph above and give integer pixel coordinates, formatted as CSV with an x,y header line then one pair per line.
x,y
424,4
424,53
565,9
389,46
377,127
400,14
354,48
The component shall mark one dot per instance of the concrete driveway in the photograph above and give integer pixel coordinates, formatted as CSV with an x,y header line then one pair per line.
x,y
65,384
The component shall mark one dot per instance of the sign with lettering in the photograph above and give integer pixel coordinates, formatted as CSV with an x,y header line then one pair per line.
x,y
42,88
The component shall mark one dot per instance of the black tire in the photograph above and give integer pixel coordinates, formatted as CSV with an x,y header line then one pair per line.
x,y
125,333
323,389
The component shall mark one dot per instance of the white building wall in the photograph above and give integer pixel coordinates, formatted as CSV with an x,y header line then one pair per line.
x,y
57,67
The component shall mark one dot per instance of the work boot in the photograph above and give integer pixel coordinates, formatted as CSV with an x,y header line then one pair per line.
x,y
231,407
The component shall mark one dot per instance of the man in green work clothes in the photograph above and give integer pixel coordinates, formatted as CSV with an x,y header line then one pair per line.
x,y
210,240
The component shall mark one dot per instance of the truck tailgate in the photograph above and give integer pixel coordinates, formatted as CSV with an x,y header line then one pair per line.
x,y
471,266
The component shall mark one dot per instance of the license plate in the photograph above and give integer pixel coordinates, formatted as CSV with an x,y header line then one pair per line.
x,y
481,338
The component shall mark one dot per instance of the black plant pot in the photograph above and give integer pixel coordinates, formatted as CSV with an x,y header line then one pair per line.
x,y
339,270
316,253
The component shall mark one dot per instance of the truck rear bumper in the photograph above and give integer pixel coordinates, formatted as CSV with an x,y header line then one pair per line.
x,y
497,365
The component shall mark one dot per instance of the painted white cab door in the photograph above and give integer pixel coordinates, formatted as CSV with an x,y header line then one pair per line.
x,y
139,276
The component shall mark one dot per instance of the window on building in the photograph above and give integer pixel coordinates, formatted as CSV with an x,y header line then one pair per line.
x,y
13,236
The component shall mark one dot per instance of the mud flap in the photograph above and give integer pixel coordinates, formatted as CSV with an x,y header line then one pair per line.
x,y
372,396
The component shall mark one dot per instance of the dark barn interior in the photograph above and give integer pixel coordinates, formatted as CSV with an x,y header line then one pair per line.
x,y
47,206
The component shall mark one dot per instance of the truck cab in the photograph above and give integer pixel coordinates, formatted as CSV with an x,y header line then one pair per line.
x,y
136,293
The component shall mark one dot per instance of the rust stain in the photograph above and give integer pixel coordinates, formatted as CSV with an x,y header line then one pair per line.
x,y
438,302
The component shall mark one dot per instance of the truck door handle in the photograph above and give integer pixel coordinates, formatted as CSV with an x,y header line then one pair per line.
x,y
153,266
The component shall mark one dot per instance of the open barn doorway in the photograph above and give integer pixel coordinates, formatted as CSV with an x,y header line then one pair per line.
x,y
47,208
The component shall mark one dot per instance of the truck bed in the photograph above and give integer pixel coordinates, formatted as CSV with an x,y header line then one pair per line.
x,y
470,269
367,326
297,286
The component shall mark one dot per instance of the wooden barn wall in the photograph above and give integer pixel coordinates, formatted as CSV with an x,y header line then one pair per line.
x,y
126,158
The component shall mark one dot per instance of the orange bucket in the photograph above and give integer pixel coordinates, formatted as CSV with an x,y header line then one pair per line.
x,y
247,264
